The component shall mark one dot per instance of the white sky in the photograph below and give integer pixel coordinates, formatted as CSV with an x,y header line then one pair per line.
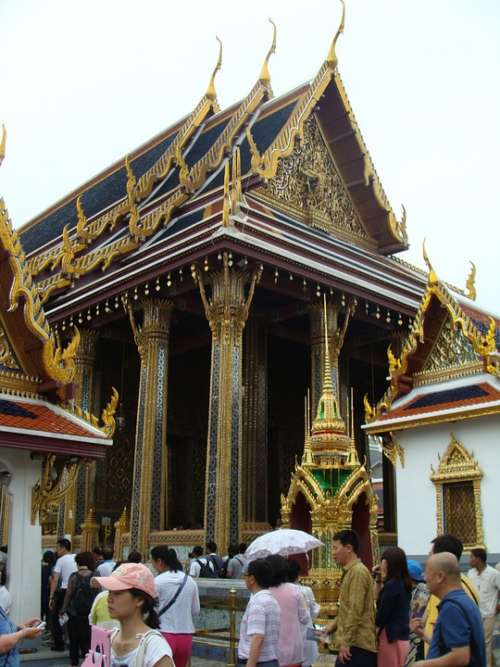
x,y
82,83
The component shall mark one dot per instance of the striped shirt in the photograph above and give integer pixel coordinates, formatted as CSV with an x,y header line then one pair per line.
x,y
261,617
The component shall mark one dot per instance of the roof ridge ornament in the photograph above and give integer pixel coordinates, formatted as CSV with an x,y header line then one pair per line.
x,y
265,76
470,284
211,92
433,277
3,144
331,58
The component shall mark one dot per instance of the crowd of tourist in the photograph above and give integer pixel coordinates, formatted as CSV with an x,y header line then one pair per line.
x,y
392,616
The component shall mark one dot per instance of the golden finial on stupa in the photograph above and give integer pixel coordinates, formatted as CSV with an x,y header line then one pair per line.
x,y
307,456
328,433
265,76
3,143
433,278
211,92
471,282
331,59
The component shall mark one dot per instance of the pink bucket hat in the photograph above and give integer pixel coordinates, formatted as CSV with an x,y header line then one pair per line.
x,y
127,576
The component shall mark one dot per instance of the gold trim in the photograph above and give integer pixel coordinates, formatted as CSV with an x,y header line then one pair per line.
x,y
458,465
55,484
470,284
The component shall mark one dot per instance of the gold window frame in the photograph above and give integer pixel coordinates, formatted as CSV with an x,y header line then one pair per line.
x,y
458,465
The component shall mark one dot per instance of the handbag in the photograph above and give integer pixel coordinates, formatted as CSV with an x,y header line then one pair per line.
x,y
100,649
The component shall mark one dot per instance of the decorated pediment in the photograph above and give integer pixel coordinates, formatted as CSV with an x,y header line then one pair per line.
x,y
7,356
308,183
451,349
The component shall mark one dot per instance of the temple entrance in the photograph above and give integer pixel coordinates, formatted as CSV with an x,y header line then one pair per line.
x,y
361,524
300,519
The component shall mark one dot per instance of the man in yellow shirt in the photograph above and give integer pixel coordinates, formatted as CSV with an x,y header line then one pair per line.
x,y
451,544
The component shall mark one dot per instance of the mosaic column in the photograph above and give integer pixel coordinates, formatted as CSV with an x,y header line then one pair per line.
x,y
149,511
255,398
80,498
227,312
336,329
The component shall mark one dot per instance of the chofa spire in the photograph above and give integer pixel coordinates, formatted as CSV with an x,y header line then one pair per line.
x,y
331,58
265,76
211,92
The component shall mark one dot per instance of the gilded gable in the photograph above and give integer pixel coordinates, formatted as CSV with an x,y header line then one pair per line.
x,y
308,183
450,350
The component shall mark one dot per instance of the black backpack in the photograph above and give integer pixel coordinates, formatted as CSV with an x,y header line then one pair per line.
x,y
82,598
206,571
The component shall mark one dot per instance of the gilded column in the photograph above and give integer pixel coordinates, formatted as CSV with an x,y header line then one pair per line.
x,y
254,451
149,511
227,312
80,498
336,327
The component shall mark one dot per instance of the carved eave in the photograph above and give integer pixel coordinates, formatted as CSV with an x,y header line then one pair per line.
x,y
438,309
23,322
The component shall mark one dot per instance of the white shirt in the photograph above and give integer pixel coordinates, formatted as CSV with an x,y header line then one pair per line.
x,y
178,619
261,617
487,584
195,567
156,648
5,599
65,566
105,568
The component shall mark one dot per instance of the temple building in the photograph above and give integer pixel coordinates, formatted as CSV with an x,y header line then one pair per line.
x,y
195,272
440,419
44,446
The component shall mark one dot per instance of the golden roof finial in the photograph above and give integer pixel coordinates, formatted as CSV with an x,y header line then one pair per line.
x,y
211,92
331,58
433,279
307,456
327,371
2,143
265,76
471,282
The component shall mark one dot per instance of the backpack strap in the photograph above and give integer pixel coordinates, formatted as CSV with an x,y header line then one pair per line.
x,y
470,590
173,600
143,645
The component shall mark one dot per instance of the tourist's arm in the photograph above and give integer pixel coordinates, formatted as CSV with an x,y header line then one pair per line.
x,y
387,603
195,604
54,581
458,657
304,616
255,648
164,662
7,642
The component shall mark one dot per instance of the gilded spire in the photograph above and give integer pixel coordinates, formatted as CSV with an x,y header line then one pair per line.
x,y
331,59
307,456
265,76
471,282
211,92
2,144
433,278
328,429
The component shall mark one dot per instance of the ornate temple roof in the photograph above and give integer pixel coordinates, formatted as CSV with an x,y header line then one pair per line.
x,y
38,425
448,367
36,372
177,180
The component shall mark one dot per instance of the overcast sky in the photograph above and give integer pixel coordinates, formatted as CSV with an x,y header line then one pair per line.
x,y
85,82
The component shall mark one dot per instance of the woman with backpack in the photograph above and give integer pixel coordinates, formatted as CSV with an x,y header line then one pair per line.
x,y
178,602
131,601
77,605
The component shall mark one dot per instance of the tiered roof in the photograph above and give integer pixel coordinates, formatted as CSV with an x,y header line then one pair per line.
x,y
36,372
448,368
173,188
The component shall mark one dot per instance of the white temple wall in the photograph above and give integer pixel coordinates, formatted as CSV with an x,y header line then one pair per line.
x,y
416,494
25,540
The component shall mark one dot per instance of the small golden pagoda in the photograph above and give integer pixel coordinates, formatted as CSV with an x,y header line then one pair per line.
x,y
330,489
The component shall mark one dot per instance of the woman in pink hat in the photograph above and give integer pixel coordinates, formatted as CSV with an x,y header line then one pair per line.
x,y
131,600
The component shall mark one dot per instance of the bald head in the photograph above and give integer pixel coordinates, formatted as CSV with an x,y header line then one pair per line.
x,y
442,573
